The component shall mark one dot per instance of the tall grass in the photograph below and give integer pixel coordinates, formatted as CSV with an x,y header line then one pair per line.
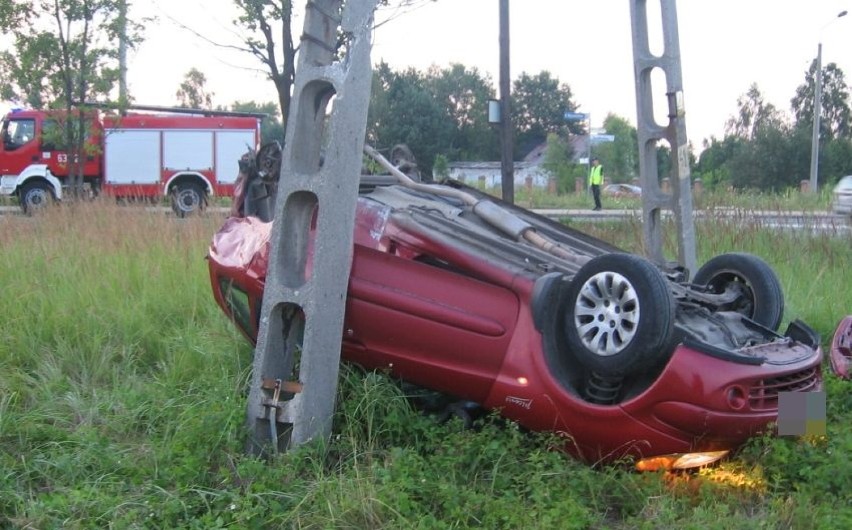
x,y
122,404
747,200
812,262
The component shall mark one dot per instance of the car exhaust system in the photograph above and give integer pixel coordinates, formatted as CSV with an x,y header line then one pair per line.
x,y
493,214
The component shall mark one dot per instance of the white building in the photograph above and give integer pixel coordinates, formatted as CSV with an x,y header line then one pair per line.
x,y
526,172
489,174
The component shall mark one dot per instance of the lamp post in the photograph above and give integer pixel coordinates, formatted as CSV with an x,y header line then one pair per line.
x,y
812,185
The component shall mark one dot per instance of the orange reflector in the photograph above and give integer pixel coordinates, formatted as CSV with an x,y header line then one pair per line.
x,y
679,461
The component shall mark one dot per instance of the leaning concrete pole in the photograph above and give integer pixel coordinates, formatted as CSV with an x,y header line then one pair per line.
x,y
650,132
292,395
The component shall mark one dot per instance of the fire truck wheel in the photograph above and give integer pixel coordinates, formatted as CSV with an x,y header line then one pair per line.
x,y
35,196
187,199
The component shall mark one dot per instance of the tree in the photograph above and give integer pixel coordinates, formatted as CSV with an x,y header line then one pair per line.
x,y
836,117
754,114
262,21
271,128
437,111
268,36
441,167
836,160
192,92
465,93
64,55
765,162
713,167
559,163
620,157
405,110
538,108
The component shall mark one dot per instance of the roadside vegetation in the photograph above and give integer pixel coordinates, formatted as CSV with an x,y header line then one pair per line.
x,y
122,402
744,201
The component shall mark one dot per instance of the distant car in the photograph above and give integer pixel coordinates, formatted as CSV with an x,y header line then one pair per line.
x,y
842,200
622,190
619,356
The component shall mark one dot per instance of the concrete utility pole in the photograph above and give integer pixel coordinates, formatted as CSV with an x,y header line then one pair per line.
x,y
507,163
297,358
650,133
813,183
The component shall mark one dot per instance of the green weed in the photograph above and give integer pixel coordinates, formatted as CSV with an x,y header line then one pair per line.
x,y
122,405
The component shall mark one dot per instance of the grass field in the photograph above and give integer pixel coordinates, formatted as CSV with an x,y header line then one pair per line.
x,y
122,402
748,200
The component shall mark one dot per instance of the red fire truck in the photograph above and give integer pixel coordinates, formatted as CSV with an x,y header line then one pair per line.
x,y
186,157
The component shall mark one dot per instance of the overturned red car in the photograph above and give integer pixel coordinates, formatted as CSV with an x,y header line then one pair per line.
x,y
622,357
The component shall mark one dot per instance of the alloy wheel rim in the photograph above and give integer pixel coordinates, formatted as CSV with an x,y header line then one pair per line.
x,y
606,313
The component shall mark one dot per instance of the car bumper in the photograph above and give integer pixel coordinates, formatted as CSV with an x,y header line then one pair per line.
x,y
698,403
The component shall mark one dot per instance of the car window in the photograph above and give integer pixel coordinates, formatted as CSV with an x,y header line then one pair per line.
x,y
18,132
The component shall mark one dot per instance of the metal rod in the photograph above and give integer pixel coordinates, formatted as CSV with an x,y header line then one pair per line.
x,y
174,110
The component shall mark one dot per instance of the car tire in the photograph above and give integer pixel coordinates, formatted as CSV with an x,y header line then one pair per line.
x,y
188,199
34,196
762,298
402,158
620,315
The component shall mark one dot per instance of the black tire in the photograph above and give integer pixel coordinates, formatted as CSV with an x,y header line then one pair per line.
x,y
402,158
269,161
762,298
34,196
188,198
620,315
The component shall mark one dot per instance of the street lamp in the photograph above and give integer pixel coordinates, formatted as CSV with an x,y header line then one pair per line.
x,y
812,186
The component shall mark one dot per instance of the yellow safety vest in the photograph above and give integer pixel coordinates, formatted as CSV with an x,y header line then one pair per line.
x,y
596,175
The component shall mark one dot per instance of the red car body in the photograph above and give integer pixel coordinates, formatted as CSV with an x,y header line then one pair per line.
x,y
442,305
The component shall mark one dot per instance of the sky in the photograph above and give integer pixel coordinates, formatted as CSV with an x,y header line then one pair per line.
x,y
726,45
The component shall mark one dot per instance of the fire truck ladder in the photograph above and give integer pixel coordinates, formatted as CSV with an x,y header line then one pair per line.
x,y
292,395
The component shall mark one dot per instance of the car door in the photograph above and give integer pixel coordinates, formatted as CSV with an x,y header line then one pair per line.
x,y
427,324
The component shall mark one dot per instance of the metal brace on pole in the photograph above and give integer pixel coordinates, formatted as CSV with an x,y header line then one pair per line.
x,y
649,133
296,364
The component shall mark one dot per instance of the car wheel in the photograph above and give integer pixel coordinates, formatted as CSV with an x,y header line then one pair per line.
x,y
760,296
620,315
269,161
35,196
187,199
402,158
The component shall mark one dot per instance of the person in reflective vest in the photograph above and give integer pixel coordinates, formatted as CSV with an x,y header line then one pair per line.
x,y
596,177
